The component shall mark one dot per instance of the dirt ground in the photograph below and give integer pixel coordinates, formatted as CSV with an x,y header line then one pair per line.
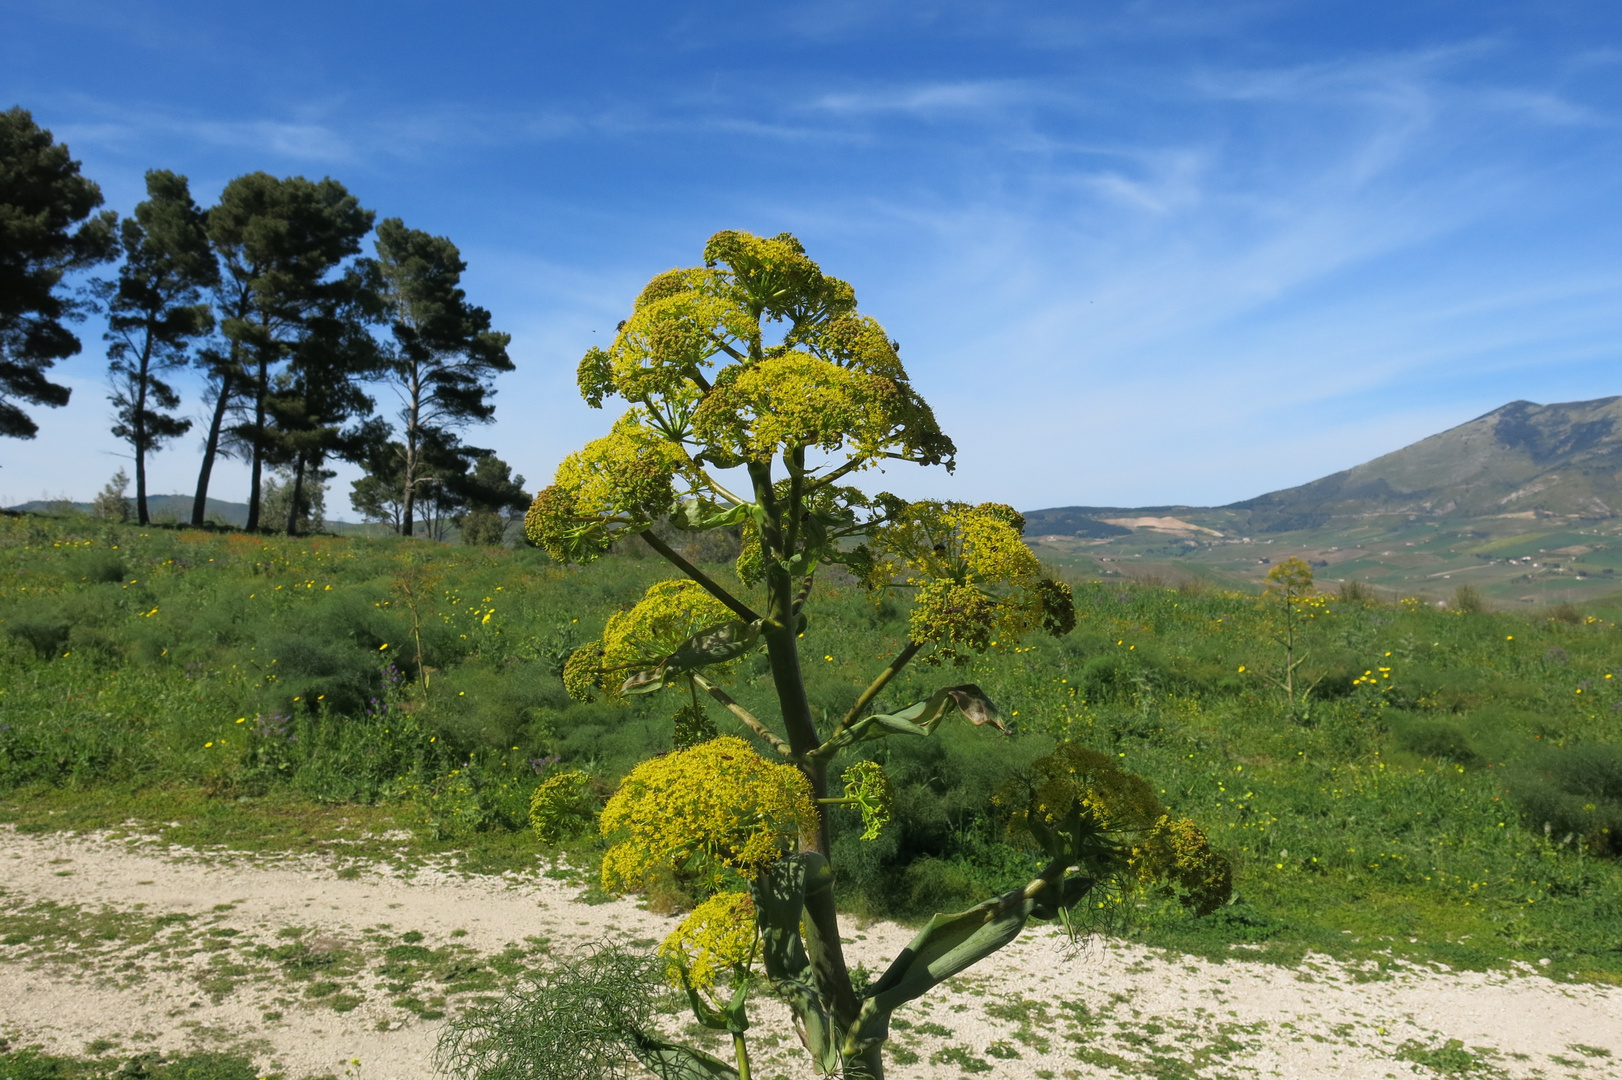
x,y
119,945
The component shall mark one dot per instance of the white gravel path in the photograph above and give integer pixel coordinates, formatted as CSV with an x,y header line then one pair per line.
x,y
1038,1010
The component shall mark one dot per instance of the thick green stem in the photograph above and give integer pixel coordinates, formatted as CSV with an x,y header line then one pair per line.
x,y
741,1052
822,943
869,1066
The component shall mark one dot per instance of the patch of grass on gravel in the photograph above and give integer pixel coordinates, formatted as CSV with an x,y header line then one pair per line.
x,y
32,1063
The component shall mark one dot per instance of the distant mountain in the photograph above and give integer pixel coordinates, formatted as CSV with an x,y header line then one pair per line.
x,y
1521,460
1079,521
161,507
164,508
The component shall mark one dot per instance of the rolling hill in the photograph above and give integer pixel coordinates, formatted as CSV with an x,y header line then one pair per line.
x,y
161,507
1524,499
1522,458
168,509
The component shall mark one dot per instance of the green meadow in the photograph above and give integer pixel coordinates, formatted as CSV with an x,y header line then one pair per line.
x,y
1451,792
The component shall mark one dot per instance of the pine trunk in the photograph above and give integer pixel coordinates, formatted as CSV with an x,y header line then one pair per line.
x,y
138,429
199,506
298,497
259,391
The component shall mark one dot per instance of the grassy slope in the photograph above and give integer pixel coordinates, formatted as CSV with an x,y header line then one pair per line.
x,y
1526,562
240,687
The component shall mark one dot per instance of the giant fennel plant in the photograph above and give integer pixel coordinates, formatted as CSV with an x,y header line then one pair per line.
x,y
756,389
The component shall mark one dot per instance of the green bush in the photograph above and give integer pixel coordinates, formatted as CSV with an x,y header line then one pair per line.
x,y
1438,739
48,637
942,849
1575,792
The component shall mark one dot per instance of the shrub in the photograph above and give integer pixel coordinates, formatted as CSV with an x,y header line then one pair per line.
x,y
1575,791
1357,592
1437,739
1566,612
46,636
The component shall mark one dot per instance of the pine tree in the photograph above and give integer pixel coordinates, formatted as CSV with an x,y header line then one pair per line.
x,y
495,498
443,358
321,390
281,243
42,198
154,312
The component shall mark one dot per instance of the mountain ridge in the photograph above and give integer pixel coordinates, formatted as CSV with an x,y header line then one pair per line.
x,y
1521,459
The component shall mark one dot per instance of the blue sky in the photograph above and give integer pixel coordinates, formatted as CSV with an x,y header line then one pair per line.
x,y
1135,253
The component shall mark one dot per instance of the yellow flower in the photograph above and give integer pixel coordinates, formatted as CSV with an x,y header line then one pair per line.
x,y
697,812
619,483
668,614
719,934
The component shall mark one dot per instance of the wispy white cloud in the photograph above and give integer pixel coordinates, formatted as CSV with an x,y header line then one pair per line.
x,y
927,99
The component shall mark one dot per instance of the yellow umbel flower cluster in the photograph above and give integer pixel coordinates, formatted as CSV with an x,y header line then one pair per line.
x,y
621,482
717,936
692,356
670,337
561,806
1175,856
668,614
1290,580
989,544
978,584
796,399
701,812
959,620
1077,804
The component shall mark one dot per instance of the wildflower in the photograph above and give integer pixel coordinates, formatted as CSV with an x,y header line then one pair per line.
x,y
719,936
868,788
716,805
